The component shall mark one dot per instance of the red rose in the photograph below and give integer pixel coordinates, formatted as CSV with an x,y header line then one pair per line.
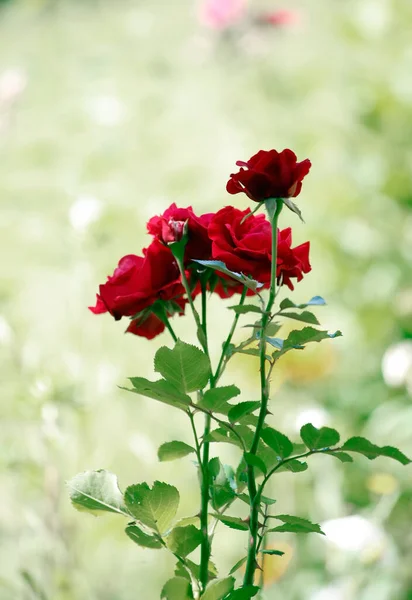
x,y
137,283
245,246
169,227
291,262
269,174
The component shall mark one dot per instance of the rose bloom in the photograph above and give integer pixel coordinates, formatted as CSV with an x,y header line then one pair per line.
x,y
169,226
136,284
245,246
269,174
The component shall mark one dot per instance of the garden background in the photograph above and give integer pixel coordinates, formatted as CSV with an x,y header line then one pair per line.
x,y
110,111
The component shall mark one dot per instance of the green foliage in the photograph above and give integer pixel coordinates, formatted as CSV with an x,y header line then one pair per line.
x,y
365,447
295,466
315,301
96,492
173,450
141,538
237,565
186,367
242,309
295,525
342,456
159,390
177,588
218,265
216,399
181,570
273,552
279,442
183,540
244,593
255,461
217,590
223,484
232,522
299,337
317,439
242,409
154,507
305,317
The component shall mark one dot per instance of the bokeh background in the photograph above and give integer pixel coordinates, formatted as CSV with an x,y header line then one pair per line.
x,y
110,111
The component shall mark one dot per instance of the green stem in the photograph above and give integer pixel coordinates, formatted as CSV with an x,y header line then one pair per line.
x,y
191,303
229,337
205,546
264,386
170,329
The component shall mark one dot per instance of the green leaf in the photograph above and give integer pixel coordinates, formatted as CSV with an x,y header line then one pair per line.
x,y
317,439
185,366
218,265
232,522
244,593
273,552
242,409
299,337
315,301
177,588
293,207
193,520
365,447
295,466
277,441
96,492
173,450
159,390
216,399
255,461
267,500
154,507
249,351
180,570
143,539
242,309
183,540
305,316
237,565
296,525
217,590
272,329
275,342
223,485
342,456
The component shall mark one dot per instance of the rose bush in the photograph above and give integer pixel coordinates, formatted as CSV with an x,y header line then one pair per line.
x,y
269,174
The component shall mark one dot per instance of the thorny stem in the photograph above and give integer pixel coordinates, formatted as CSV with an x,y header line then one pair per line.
x,y
264,386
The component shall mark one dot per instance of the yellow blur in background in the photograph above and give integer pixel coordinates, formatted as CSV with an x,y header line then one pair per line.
x,y
109,112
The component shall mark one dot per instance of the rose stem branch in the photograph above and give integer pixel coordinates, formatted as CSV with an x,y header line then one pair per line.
x,y
229,337
264,386
205,546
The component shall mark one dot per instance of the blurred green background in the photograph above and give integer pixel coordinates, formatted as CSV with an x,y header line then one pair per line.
x,y
110,111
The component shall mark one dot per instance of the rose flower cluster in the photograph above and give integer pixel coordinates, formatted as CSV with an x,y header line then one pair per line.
x,y
148,287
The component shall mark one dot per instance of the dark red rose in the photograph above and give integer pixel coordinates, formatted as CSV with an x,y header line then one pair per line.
x,y
269,174
291,262
169,228
137,283
245,246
